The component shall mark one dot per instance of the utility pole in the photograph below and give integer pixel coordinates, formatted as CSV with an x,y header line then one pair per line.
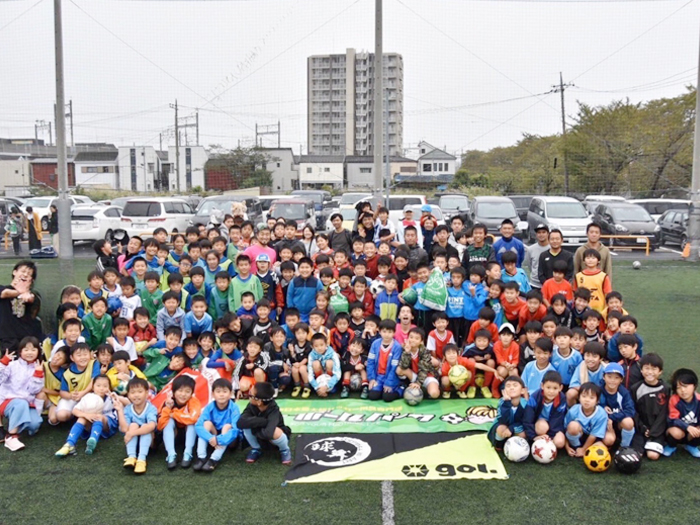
x,y
177,149
386,149
65,250
378,96
694,214
560,89
196,116
72,141
272,129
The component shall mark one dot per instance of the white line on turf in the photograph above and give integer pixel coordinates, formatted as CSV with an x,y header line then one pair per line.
x,y
670,250
387,503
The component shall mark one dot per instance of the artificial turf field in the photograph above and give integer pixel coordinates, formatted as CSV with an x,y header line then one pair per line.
x,y
35,487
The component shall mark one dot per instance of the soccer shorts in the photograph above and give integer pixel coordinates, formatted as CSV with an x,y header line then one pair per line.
x,y
428,380
66,404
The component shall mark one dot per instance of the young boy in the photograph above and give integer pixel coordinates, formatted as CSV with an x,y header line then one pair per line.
x,y
96,281
557,284
354,362
387,304
561,312
459,319
130,301
248,309
586,422
481,351
438,338
137,421
628,325
535,370
423,313
564,359
120,340
618,403
512,273
262,420
627,346
142,331
357,319
122,372
77,380
534,310
170,315
382,361
512,303
243,282
416,364
533,331
511,410
651,396
476,294
485,321
594,279
197,320
591,326
452,358
683,410
152,296
97,325
507,352
360,294
546,411
217,427
340,337
219,295
323,363
197,286
302,290
579,308
299,352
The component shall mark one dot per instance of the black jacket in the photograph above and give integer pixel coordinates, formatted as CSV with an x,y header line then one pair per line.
x,y
263,423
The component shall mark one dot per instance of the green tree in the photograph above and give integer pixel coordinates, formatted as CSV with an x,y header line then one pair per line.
x,y
247,167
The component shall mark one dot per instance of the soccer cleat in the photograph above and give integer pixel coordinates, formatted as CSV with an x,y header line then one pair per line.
x,y
345,392
210,466
13,443
471,392
296,391
198,464
669,451
365,392
129,463
306,393
171,462
446,395
253,455
66,450
186,461
286,456
486,392
140,467
90,445
461,394
693,451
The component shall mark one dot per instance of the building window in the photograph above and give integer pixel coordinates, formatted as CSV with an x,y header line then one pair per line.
x,y
278,164
365,170
427,167
326,170
308,170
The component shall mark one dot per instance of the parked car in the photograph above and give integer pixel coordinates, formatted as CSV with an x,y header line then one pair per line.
x,y
143,215
453,204
656,207
90,223
591,202
673,225
300,210
223,203
398,202
522,204
192,200
349,214
42,205
265,203
350,199
565,213
625,218
491,211
319,197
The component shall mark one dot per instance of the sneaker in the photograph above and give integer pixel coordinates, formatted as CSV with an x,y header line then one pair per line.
x,y
693,451
90,445
171,462
186,461
13,443
306,393
198,464
296,391
471,392
210,466
446,395
277,392
669,451
129,463
140,467
461,394
486,392
345,392
365,392
66,450
286,456
253,455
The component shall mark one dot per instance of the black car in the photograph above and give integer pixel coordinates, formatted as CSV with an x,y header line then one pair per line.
x,y
629,220
674,227
522,204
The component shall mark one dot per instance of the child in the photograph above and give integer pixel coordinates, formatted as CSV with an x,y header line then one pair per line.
x,y
216,427
243,282
252,366
21,381
357,319
92,425
534,310
618,403
557,285
387,304
152,296
484,322
452,358
302,290
248,309
564,359
549,326
511,410
438,338
142,331
507,352
586,422
323,362
71,335
493,301
612,326
591,325
546,411
361,294
416,364
628,325
582,297
475,293
340,336
278,355
594,279
53,373
299,355
627,346
535,370
191,350
371,332
316,326
512,303
137,421
97,325
382,361
588,370
482,352
683,410
459,319
578,340
227,355
104,355
651,396
198,321
122,372
165,363
354,362
197,286
512,273
561,312
533,331
270,283
77,380
130,301
219,296
113,289
96,281
180,414
170,315
262,420
423,313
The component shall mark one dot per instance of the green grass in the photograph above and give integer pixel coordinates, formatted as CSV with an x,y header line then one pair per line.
x,y
37,488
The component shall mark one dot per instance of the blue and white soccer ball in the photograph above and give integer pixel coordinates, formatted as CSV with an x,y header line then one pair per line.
x,y
516,449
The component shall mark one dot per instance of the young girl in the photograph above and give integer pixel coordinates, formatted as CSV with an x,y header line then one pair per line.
x,y
53,374
179,414
308,241
178,249
97,419
278,355
21,381
323,299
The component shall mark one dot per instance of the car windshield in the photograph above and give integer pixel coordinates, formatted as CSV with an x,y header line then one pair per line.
x,y
316,197
566,210
348,214
288,210
521,202
208,207
496,210
454,202
632,214
352,198
434,211
37,203
142,209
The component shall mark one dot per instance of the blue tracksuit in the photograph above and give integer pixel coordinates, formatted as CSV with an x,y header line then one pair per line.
x,y
565,365
472,304
554,413
387,306
514,245
620,403
301,295
510,416
389,378
614,354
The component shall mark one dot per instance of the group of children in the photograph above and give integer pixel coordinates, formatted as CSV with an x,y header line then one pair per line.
x,y
263,318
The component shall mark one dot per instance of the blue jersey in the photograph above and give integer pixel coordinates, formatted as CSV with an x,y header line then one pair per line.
x,y
594,425
455,302
148,415
520,277
532,376
474,303
620,403
594,377
514,245
196,326
566,365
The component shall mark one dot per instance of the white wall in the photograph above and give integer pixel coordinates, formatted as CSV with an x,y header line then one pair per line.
x,y
147,167
198,159
284,176
11,173
85,177
321,173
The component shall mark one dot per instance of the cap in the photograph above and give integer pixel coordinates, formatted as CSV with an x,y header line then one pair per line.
x,y
541,226
426,207
506,327
262,257
614,368
407,208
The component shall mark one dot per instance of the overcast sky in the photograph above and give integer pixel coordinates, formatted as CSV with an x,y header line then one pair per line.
x,y
244,61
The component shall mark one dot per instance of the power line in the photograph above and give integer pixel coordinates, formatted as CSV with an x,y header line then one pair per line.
x,y
21,15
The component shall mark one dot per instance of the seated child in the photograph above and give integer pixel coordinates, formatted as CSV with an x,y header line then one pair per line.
x,y
416,364
180,414
142,331
216,427
323,367
77,380
71,335
340,336
120,339
190,347
252,367
683,409
546,411
198,321
586,422
452,358
534,371
97,324
354,362
588,370
122,372
263,421
651,396
53,374
162,369
138,422
438,338
104,355
481,351
279,369
511,409
227,355
564,359
617,402
383,358
299,356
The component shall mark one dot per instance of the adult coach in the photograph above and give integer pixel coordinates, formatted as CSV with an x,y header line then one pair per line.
x,y
532,255
262,246
19,308
545,268
593,233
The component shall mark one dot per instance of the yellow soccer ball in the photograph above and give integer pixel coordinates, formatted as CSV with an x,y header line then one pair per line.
x,y
597,458
459,376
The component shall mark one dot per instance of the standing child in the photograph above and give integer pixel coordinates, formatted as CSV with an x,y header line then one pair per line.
x,y
586,422
557,285
683,410
594,279
180,414
387,304
476,295
96,281
512,303
651,396
579,308
302,290
137,421
243,282
219,296
120,339
216,427
278,355
507,352
561,312
564,359
513,273
130,301
459,318
533,331
262,420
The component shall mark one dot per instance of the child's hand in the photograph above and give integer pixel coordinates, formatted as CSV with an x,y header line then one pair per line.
x,y
213,442
694,431
169,401
506,433
505,397
414,385
387,389
128,436
163,351
75,396
609,411
360,367
250,366
103,369
570,451
161,261
10,355
372,384
435,362
38,367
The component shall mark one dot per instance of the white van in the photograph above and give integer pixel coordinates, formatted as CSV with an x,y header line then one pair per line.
x,y
142,216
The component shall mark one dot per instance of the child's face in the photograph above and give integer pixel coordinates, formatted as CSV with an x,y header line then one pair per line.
x,y
326,280
441,263
360,270
99,309
162,254
185,267
219,247
195,253
253,349
370,249
58,360
292,320
182,395
613,324
172,341
358,246
590,261
482,342
151,250
243,267
588,400
222,396
192,237
451,357
121,331
29,353
550,391
228,347
128,290
441,324
627,327
495,291
558,307
322,243
400,263
206,343
577,342
285,254
371,327
382,269
615,304
514,389
494,272
289,232
288,275
319,345
322,302
533,304
612,381
139,269
279,233
423,274
386,335
263,313
142,321
248,302
72,333
558,276
563,342
111,279
191,351
212,261
104,358
305,270
414,340
278,339
511,295
177,363
592,361
384,249
355,349
120,365
340,259
81,357
199,308
73,298
171,305
532,337
101,387
359,289
247,231
198,280
627,351
263,266
510,267
301,335
484,323
685,392
356,313
474,278
548,328
506,338
651,373
591,324
390,285
222,284
151,285
315,322
137,395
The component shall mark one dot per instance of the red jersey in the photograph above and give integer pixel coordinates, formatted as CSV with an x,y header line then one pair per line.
x,y
476,327
507,355
526,316
372,271
550,288
512,311
466,362
367,302
383,361
436,344
145,334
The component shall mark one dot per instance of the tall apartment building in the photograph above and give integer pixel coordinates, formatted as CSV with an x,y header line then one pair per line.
x,y
341,103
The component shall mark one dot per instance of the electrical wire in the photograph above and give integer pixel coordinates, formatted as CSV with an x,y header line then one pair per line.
x,y
21,15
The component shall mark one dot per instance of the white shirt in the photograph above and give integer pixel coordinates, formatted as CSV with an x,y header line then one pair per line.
x,y
129,304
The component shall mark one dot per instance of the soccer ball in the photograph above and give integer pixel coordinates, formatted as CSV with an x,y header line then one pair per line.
x,y
597,458
627,460
356,382
376,287
92,403
121,388
322,381
410,296
459,376
413,395
516,449
636,265
543,450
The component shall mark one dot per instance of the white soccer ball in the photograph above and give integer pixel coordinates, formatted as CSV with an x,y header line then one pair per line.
x,y
322,381
636,265
516,449
376,287
92,403
543,450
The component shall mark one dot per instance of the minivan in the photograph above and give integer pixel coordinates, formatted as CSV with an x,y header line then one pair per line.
x,y
223,203
563,213
142,216
491,211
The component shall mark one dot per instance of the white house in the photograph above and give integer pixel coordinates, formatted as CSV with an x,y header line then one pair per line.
x,y
15,171
434,161
192,161
97,169
138,168
319,170
360,170
285,172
